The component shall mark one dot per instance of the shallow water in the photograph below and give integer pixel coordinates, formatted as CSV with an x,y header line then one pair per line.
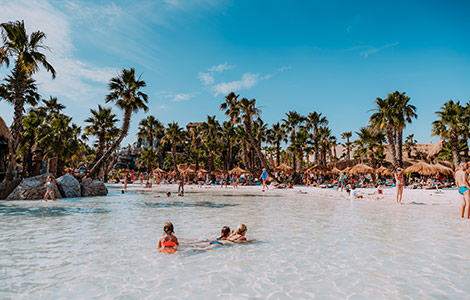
x,y
105,248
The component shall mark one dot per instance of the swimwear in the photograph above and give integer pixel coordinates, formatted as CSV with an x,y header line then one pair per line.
x,y
216,243
49,192
168,246
49,185
462,190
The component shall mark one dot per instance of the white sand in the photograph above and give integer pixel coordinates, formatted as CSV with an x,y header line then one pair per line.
x,y
418,196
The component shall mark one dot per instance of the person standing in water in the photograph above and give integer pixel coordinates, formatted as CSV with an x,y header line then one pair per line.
x,y
49,185
400,184
264,177
461,180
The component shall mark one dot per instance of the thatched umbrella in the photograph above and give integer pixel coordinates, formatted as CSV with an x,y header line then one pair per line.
x,y
436,149
422,168
284,168
182,167
383,171
442,169
158,170
346,170
218,172
335,171
238,171
361,169
317,169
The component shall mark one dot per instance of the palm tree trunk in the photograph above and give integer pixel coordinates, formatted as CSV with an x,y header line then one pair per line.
x,y
454,145
173,155
278,152
124,130
348,149
400,148
245,155
391,142
300,160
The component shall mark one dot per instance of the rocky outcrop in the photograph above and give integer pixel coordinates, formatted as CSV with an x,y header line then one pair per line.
x,y
7,187
93,188
68,186
32,188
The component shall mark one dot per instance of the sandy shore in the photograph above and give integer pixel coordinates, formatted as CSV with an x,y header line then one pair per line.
x,y
418,196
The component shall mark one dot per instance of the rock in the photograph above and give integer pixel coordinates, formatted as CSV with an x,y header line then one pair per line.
x,y
32,188
7,187
69,187
93,188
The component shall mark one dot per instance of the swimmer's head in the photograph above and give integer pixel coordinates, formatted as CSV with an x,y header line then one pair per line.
x,y
225,231
168,194
241,229
168,228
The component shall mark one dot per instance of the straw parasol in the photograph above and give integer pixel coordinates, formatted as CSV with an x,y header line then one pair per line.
x,y
442,169
218,172
436,149
422,168
284,168
346,170
316,169
238,171
361,169
158,170
336,171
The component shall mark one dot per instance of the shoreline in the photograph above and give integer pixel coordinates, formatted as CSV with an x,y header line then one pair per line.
x,y
410,196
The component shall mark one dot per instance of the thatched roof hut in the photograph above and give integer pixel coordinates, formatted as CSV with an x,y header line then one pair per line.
x,y
422,168
238,171
361,169
284,168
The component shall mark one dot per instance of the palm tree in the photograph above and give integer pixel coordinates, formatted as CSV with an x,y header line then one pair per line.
x,y
227,133
452,124
324,135
292,123
26,50
149,129
406,112
314,121
125,91
277,134
210,130
368,142
410,145
102,125
347,135
174,136
147,159
299,143
230,105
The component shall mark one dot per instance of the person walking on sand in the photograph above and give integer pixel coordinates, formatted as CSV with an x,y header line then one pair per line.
x,y
463,186
264,177
49,185
400,184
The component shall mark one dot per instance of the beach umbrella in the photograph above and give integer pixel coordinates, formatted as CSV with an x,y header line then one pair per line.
x,y
218,172
158,170
317,169
182,167
346,170
238,171
284,168
361,169
202,171
335,171
442,169
422,168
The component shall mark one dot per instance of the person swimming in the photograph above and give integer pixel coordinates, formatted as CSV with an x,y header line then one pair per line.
x,y
224,234
239,235
168,242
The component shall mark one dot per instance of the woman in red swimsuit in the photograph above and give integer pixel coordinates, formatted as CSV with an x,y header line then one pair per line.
x,y
168,242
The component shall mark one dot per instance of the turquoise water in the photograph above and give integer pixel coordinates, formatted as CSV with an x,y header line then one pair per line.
x,y
105,248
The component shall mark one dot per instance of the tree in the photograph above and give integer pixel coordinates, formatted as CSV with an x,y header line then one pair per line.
x,y
227,135
174,136
149,129
277,134
410,145
210,131
292,123
125,91
26,51
452,124
103,126
369,141
406,112
347,135
230,106
147,159
314,121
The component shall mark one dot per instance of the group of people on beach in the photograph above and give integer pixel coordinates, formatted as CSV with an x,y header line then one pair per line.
x,y
169,242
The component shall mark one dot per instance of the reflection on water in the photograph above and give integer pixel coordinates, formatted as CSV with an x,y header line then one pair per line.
x,y
54,211
186,204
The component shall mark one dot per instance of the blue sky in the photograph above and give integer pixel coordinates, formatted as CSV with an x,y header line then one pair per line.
x,y
333,57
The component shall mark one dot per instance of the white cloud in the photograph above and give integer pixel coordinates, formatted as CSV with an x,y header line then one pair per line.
x,y
221,67
285,68
162,107
247,81
366,51
206,78
75,78
181,97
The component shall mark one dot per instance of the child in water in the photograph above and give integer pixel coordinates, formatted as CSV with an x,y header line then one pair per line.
x,y
168,242
224,234
239,235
